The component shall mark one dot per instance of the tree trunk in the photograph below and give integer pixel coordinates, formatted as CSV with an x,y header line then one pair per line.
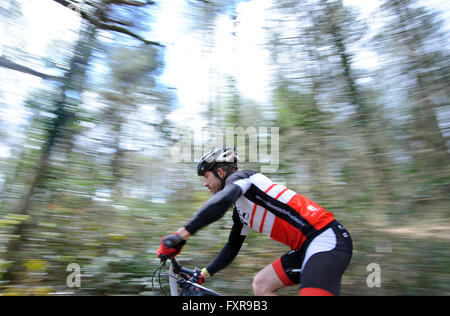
x,y
65,109
424,117
364,115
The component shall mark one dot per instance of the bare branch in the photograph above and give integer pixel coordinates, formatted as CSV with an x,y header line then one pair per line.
x,y
111,20
65,3
133,2
126,31
113,27
6,63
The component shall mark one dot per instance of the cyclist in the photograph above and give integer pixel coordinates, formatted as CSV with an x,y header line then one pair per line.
x,y
321,246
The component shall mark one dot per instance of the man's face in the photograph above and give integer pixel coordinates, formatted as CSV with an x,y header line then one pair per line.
x,y
212,182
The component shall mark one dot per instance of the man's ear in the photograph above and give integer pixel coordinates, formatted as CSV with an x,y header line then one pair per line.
x,y
221,173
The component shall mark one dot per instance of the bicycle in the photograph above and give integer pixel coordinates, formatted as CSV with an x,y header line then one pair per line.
x,y
178,281
180,278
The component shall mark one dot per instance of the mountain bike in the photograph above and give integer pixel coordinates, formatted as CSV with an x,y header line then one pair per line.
x,y
176,280
180,281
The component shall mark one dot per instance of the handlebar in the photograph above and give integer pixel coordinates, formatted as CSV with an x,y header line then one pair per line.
x,y
188,281
172,241
191,275
178,268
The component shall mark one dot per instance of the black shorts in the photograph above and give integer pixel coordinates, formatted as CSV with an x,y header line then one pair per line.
x,y
320,263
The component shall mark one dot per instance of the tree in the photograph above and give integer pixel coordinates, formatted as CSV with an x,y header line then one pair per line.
x,y
57,131
341,29
131,85
64,110
411,44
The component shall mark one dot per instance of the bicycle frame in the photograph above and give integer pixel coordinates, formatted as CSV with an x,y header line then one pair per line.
x,y
173,283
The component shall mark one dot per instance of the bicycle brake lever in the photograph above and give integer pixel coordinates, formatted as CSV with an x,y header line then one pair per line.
x,y
195,278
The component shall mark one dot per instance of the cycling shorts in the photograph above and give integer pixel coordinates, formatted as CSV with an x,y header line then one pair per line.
x,y
320,262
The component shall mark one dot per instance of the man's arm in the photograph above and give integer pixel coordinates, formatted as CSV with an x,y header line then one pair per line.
x,y
212,210
231,249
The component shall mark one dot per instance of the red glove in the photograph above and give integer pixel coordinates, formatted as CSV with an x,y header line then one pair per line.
x,y
169,252
197,277
201,279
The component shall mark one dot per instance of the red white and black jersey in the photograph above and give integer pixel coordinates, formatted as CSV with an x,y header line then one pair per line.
x,y
276,211
264,206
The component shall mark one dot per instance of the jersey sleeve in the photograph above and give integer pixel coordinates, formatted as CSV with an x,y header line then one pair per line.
x,y
231,248
214,208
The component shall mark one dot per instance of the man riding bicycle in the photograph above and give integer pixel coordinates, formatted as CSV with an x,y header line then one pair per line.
x,y
321,247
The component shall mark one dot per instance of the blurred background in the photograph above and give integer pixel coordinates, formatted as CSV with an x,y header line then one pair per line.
x,y
95,94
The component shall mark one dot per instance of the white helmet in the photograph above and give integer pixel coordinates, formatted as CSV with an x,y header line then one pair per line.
x,y
216,155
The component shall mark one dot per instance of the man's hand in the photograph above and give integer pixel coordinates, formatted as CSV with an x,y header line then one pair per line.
x,y
204,274
170,246
201,279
